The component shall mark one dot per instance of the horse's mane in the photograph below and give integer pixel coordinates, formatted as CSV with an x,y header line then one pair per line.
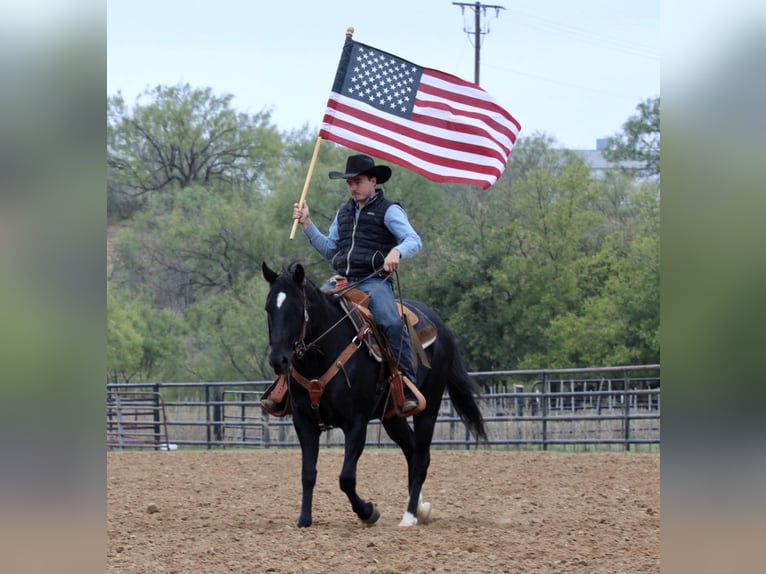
x,y
316,297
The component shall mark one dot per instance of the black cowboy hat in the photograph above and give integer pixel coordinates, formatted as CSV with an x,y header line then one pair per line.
x,y
363,165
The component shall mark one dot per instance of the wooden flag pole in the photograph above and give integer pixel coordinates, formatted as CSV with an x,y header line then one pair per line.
x,y
306,184
349,34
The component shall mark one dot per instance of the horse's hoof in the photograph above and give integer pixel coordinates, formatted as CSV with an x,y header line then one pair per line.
x,y
424,511
373,517
408,520
304,523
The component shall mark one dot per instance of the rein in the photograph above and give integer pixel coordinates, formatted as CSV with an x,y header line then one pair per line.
x,y
300,346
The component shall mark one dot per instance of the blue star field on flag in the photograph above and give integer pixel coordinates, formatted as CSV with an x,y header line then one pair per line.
x,y
384,81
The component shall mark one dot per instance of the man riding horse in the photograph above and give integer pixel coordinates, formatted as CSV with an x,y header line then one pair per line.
x,y
368,235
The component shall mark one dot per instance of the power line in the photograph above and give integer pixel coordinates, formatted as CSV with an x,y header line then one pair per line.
x,y
478,9
589,36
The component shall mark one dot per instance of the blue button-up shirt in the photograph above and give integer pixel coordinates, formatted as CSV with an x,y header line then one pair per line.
x,y
395,219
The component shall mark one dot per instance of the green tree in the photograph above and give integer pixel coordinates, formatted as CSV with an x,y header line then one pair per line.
x,y
640,139
183,136
512,265
228,338
618,322
202,246
124,341
142,343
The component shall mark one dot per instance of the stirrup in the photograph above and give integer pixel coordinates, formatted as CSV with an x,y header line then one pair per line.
x,y
281,407
420,400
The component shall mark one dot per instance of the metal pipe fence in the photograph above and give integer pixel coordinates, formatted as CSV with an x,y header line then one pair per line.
x,y
603,408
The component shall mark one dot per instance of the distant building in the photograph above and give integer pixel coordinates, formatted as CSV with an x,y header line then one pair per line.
x,y
599,164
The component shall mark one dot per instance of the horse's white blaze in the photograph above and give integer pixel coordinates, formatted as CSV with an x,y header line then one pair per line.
x,y
281,299
408,520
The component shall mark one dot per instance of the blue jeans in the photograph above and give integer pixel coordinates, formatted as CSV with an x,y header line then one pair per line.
x,y
386,313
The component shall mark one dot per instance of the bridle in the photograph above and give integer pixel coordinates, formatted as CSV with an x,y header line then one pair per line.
x,y
300,346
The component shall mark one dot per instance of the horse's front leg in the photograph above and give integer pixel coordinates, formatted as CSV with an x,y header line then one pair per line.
x,y
308,436
356,434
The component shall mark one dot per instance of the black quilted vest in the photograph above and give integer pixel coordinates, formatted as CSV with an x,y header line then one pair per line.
x,y
363,244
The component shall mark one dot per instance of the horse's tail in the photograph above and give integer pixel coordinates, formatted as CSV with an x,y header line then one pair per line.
x,y
462,390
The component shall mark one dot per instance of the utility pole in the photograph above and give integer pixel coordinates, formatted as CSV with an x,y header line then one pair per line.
x,y
478,8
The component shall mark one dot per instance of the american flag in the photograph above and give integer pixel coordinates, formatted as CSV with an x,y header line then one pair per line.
x,y
433,123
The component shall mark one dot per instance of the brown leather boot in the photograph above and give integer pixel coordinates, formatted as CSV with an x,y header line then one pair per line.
x,y
268,404
410,400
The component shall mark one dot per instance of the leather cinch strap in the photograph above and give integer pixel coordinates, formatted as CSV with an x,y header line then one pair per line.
x,y
315,387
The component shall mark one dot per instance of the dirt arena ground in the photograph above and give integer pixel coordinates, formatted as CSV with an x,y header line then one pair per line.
x,y
212,512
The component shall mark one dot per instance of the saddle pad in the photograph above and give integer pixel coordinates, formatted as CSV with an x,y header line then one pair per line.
x,y
423,326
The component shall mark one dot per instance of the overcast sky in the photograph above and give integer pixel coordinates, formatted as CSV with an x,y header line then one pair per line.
x,y
573,69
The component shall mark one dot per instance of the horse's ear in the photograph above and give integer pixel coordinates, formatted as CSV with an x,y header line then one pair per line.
x,y
299,275
268,274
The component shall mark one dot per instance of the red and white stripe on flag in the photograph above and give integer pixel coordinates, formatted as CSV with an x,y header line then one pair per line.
x,y
436,124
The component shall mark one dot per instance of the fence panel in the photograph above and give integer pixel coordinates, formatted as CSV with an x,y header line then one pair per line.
x,y
136,419
604,408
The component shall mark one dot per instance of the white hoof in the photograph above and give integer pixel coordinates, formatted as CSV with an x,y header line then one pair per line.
x,y
408,520
424,511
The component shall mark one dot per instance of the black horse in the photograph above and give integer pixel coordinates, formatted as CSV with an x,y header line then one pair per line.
x,y
312,340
